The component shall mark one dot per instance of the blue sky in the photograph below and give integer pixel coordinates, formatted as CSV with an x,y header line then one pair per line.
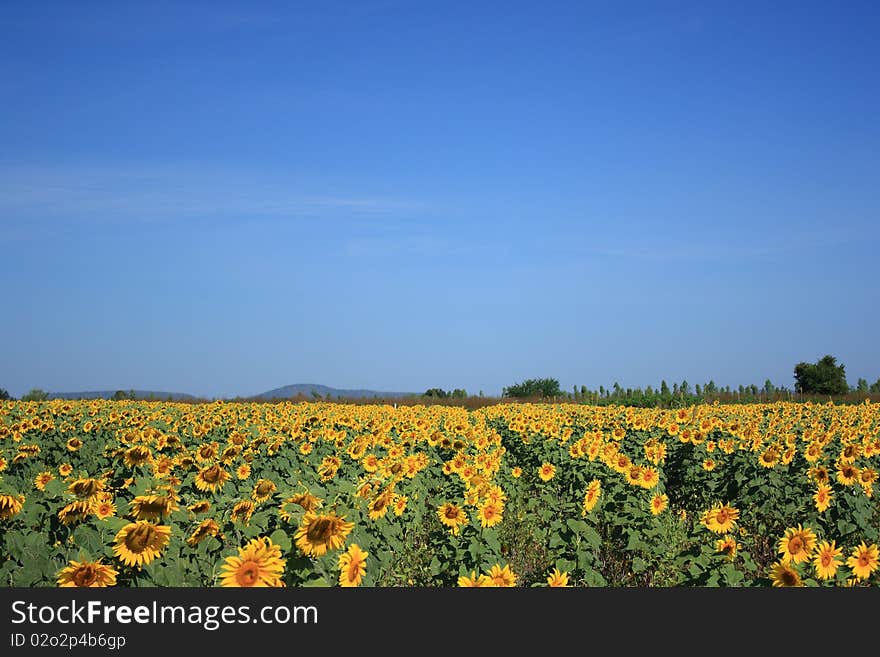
x,y
223,198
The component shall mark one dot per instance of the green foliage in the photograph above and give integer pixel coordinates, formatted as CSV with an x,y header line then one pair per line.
x,y
36,394
824,377
533,388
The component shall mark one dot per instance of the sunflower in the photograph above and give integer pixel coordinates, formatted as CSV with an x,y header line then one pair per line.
x,y
813,452
75,512
243,471
242,511
211,478
727,546
452,516
259,563
557,579
547,471
138,543
659,503
137,455
826,561
847,474
721,519
490,513
206,452
503,577
65,469
709,465
823,497
784,574
10,505
769,457
634,475
797,544
87,574
74,444
103,507
863,560
621,463
378,506
202,506
650,477
152,507
399,504
319,533
591,497
86,489
206,528
475,581
42,479
352,566
263,490
516,473
819,474
305,501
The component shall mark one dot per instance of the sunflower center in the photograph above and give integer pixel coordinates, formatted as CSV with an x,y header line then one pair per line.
x,y
264,488
451,513
795,545
85,576
863,560
353,570
789,578
248,573
156,507
722,516
138,539
826,559
212,474
321,530
85,488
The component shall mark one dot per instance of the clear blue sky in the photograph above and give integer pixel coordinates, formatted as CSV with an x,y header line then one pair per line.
x,y
223,198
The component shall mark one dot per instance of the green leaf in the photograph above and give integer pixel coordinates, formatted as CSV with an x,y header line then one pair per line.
x,y
316,583
281,539
639,565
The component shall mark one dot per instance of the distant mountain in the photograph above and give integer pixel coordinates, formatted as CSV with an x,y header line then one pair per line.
x,y
107,394
306,390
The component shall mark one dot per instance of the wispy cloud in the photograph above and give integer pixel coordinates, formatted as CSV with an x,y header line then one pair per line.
x,y
51,195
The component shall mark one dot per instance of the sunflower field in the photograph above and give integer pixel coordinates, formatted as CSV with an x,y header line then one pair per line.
x,y
126,493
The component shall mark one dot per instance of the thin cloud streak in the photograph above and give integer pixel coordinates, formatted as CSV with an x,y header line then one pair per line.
x,y
114,195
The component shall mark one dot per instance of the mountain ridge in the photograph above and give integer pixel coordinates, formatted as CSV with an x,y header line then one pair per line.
x,y
284,392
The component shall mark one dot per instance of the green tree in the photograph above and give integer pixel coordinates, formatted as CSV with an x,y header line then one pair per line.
x,y
825,377
459,393
533,388
36,394
862,386
436,393
664,387
4,395
875,387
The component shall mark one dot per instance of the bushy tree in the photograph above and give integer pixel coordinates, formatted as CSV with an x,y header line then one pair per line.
x,y
36,394
436,393
533,388
825,377
4,395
